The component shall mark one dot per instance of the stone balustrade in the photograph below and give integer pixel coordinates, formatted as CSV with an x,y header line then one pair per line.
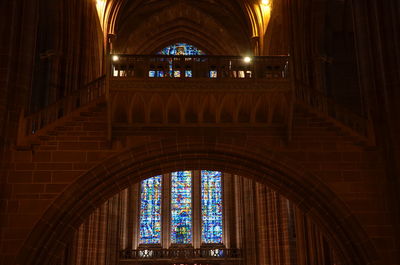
x,y
202,66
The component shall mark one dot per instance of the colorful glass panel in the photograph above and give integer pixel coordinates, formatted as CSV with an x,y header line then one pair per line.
x,y
177,73
211,207
188,73
150,211
152,73
213,74
181,49
181,207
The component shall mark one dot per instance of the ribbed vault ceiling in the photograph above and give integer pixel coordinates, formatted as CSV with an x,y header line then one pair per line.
x,y
217,26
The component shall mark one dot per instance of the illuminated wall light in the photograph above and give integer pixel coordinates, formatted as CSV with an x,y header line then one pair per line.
x,y
247,59
115,58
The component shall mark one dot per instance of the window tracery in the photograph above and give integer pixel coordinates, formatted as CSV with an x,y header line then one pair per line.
x,y
188,194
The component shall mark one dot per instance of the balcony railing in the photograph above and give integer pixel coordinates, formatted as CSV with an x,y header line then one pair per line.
x,y
207,91
181,254
186,67
29,125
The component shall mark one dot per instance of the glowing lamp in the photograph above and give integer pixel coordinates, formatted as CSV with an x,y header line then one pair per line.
x,y
115,58
247,59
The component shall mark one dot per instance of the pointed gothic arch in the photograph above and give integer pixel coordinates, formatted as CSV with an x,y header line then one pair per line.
x,y
72,207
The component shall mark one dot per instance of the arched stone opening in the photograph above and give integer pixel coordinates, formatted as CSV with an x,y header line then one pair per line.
x,y
65,215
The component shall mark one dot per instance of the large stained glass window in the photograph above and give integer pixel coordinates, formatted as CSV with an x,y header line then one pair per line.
x,y
181,49
181,207
178,49
211,207
150,211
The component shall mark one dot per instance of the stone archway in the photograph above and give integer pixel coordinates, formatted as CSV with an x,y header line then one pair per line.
x,y
57,225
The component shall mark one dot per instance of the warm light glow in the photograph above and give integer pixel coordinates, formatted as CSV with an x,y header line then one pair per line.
x,y
115,58
101,7
247,59
265,7
265,2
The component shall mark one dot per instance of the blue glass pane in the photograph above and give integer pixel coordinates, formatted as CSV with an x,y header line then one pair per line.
x,y
188,73
150,211
181,49
181,207
211,207
213,74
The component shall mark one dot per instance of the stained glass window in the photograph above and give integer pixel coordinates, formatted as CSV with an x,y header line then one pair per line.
x,y
211,207
213,74
181,49
181,207
150,211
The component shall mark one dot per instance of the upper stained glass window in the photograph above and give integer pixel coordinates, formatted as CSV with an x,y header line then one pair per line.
x,y
150,211
211,207
181,49
181,207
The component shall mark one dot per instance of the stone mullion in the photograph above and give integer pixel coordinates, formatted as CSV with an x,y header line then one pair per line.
x,y
112,230
272,232
96,237
238,185
312,243
133,216
123,224
102,235
229,211
70,251
196,214
300,237
292,233
268,229
321,249
79,245
283,222
317,244
86,242
278,236
91,233
165,210
261,224
249,223
87,245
